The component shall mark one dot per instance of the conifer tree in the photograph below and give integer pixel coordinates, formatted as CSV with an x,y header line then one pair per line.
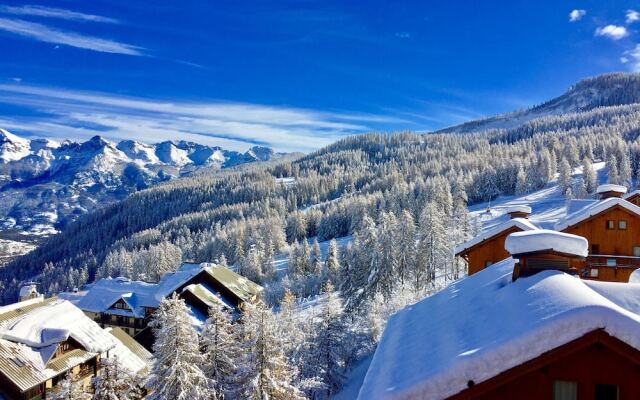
x,y
589,175
221,352
69,389
114,383
332,263
176,370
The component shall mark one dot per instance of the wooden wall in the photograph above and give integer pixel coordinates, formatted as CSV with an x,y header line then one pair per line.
x,y
491,250
596,358
610,241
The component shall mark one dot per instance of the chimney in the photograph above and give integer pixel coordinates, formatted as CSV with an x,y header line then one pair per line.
x,y
609,190
29,291
518,211
541,249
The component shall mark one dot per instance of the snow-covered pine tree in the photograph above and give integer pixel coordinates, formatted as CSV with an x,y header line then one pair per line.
x,y
251,266
432,247
405,242
265,372
316,259
589,176
221,353
564,177
114,383
382,278
613,176
625,170
329,345
69,389
176,370
332,262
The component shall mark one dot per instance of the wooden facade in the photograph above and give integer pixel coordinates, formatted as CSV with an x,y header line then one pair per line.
x,y
596,366
614,244
634,198
532,263
487,252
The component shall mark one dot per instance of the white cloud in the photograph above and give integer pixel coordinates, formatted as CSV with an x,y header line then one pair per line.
x,y
403,35
49,12
46,34
632,16
76,115
632,57
613,32
576,15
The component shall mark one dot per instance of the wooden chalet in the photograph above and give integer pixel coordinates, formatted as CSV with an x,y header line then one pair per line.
x,y
130,305
548,335
612,228
42,341
488,247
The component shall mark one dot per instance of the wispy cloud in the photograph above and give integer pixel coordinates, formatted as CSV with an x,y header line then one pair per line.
x,y
403,35
632,58
65,113
613,32
43,33
49,12
632,16
576,15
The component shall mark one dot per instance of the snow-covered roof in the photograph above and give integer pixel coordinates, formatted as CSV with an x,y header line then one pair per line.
x,y
100,296
31,333
544,239
595,209
128,353
485,324
629,195
518,208
609,187
521,223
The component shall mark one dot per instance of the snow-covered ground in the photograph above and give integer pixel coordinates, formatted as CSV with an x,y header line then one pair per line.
x,y
548,204
12,248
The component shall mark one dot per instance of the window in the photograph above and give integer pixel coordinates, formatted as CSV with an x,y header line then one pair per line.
x,y
593,273
622,224
606,392
595,249
636,251
611,262
611,224
565,390
487,263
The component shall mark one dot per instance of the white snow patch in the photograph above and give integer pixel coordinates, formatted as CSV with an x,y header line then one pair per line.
x,y
431,349
609,187
544,239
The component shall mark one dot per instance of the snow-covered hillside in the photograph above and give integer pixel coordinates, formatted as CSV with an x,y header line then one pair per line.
x,y
44,184
601,91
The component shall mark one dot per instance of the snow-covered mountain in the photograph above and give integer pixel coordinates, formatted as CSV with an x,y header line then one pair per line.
x,y
43,184
600,91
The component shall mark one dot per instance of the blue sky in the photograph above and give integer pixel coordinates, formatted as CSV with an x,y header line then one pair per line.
x,y
294,75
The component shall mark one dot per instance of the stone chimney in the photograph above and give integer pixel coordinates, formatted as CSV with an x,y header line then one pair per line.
x,y
609,190
518,211
541,249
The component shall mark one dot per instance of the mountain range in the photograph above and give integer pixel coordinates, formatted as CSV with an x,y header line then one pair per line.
x,y
45,184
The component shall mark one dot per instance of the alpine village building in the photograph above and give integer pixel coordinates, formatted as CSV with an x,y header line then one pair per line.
x,y
44,340
611,226
531,329
130,305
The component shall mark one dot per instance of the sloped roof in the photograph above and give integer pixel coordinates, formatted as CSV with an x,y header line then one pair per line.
x,y
431,349
129,354
101,295
31,331
595,209
522,223
631,194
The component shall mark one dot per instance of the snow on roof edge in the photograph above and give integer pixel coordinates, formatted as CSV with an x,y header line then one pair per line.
x,y
595,209
521,223
546,239
610,187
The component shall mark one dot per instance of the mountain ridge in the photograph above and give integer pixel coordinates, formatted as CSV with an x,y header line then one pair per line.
x,y
44,184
